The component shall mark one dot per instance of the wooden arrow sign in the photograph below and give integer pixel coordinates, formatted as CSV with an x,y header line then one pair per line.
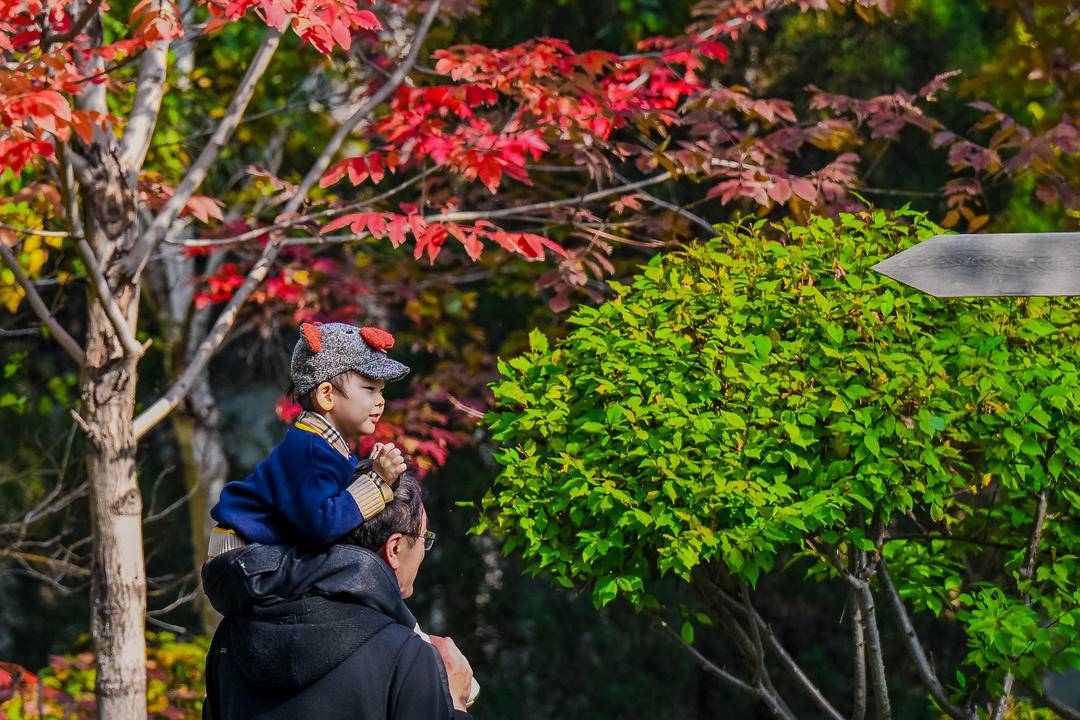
x,y
986,265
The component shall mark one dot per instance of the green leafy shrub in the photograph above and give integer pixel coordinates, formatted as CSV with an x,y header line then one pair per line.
x,y
766,395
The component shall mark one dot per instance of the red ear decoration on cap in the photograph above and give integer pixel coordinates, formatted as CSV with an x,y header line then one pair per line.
x,y
377,339
313,335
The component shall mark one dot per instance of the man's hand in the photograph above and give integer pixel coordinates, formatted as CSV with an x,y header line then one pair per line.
x,y
458,671
388,462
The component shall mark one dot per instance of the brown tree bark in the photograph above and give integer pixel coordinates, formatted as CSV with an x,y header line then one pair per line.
x,y
118,579
107,387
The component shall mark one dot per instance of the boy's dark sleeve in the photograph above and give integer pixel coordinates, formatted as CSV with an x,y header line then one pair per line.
x,y
418,686
323,508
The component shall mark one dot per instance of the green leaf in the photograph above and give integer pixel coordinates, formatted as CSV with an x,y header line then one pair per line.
x,y
538,342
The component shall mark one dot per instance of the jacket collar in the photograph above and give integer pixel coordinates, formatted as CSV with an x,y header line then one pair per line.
x,y
315,423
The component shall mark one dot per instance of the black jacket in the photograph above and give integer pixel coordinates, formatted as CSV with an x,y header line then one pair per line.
x,y
323,636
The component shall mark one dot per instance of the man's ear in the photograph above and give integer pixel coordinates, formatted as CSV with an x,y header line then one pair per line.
x,y
391,551
324,396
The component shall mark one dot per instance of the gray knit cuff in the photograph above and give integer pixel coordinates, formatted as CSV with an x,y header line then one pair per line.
x,y
370,494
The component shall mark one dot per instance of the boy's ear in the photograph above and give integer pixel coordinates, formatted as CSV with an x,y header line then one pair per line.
x,y
324,396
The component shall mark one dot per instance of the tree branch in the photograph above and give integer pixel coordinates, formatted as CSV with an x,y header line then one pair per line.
x,y
461,216
156,412
579,200
140,252
1003,701
77,27
108,303
755,633
760,626
692,217
36,233
858,643
41,310
772,701
708,665
149,90
295,221
875,654
61,565
915,648
1067,712
1026,573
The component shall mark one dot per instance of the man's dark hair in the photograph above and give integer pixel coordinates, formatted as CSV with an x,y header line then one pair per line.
x,y
307,400
403,514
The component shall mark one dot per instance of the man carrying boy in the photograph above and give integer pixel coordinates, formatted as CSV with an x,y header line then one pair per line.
x,y
305,493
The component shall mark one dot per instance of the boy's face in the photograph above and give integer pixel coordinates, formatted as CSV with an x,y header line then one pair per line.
x,y
357,413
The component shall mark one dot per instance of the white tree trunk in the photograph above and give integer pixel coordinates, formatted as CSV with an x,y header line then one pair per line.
x,y
118,580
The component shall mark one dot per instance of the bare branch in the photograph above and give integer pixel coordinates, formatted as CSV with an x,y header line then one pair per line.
x,y
916,650
108,302
1006,695
168,627
1068,712
461,216
49,562
470,411
858,648
875,654
579,200
295,221
30,231
66,341
68,192
708,665
380,95
140,253
33,331
156,412
180,600
149,90
747,609
759,648
766,695
82,424
1028,571
692,217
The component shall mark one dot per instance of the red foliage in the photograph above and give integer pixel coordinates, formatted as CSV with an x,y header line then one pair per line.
x,y
323,23
430,235
221,286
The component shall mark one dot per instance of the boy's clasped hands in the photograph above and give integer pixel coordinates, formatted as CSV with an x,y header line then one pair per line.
x,y
388,462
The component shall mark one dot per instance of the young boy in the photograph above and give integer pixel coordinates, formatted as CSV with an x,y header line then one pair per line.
x,y
305,493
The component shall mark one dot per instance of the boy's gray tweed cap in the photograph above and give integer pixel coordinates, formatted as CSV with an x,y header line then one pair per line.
x,y
328,349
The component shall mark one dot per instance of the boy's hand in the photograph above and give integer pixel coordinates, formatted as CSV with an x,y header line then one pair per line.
x,y
388,462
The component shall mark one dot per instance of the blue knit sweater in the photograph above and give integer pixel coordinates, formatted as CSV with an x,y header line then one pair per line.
x,y
296,496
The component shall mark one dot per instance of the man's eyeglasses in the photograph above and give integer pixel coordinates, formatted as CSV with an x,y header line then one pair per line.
x,y
428,536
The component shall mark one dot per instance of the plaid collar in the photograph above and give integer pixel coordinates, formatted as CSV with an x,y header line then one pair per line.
x,y
316,423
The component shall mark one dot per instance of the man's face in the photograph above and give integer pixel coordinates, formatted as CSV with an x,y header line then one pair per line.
x,y
407,553
358,410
